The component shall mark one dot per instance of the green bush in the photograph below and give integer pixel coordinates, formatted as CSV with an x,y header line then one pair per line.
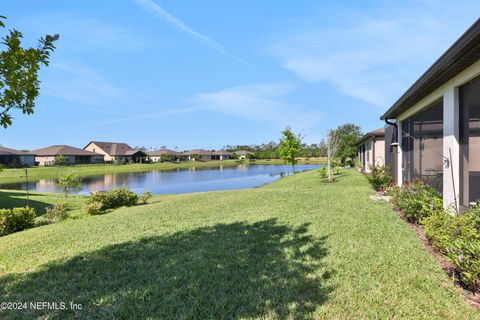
x,y
115,198
323,172
144,197
417,200
465,256
57,212
94,208
16,219
380,177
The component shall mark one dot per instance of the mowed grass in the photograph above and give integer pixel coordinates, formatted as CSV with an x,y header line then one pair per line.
x,y
37,173
323,251
41,200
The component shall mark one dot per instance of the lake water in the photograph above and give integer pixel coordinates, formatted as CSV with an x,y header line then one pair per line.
x,y
176,181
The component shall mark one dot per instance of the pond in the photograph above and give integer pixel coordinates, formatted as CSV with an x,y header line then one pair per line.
x,y
176,181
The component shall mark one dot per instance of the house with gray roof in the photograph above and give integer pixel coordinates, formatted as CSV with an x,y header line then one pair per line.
x,y
16,158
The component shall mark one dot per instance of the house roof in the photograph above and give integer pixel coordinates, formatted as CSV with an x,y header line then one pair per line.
x,y
380,132
4,151
159,152
115,148
207,153
463,53
63,150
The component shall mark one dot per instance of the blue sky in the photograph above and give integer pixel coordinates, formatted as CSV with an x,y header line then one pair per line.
x,y
207,73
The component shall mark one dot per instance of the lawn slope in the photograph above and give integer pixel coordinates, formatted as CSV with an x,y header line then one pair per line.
x,y
321,251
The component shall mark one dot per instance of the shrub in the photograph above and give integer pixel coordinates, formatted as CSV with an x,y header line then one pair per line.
x,y
144,197
94,208
115,198
465,256
379,177
57,212
417,200
323,172
16,219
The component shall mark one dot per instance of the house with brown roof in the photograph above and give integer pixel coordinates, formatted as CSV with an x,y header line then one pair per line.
x,y
16,158
207,155
437,121
161,154
66,155
115,152
371,149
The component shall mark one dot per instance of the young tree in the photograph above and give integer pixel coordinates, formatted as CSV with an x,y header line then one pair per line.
x,y
69,183
196,157
19,84
334,140
289,148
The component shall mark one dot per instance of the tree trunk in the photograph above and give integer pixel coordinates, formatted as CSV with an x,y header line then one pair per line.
x,y
329,165
294,182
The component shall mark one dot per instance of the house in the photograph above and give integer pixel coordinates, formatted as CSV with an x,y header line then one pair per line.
x,y
207,155
437,121
63,154
156,155
371,149
16,158
114,152
243,154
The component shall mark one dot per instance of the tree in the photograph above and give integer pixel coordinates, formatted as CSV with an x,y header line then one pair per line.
x,y
334,140
69,183
166,158
59,160
195,157
19,84
289,148
348,135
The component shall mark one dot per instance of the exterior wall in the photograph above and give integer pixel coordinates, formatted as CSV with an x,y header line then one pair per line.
x,y
92,147
374,152
45,160
379,156
451,146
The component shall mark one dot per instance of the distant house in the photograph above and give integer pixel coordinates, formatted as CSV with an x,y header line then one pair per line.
x,y
243,154
371,149
116,152
156,155
50,156
208,155
16,158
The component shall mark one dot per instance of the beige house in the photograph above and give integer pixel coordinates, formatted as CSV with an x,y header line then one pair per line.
x,y
66,155
438,124
156,156
114,152
371,149
207,155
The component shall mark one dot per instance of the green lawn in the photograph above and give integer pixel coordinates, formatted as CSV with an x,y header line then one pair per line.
x,y
37,173
323,251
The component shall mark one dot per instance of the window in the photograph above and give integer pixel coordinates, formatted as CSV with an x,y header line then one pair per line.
x,y
470,142
422,146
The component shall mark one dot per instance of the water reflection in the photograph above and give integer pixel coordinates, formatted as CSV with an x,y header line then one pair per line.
x,y
176,180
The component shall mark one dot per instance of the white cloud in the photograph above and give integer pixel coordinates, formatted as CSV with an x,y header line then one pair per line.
x,y
79,33
152,7
264,103
375,57
82,86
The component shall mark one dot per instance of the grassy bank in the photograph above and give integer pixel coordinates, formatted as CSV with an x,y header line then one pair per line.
x,y
323,251
37,173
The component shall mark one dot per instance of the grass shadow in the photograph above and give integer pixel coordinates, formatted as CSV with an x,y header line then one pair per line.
x,y
233,271
11,199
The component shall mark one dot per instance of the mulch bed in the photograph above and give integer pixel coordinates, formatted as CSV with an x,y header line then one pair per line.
x,y
473,298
